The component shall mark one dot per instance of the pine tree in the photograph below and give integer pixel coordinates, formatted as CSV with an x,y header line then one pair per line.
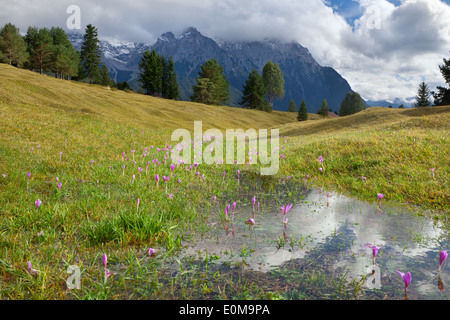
x,y
90,54
40,48
170,82
212,86
442,97
302,112
273,81
324,109
65,59
351,104
292,107
151,72
103,78
13,49
253,92
423,96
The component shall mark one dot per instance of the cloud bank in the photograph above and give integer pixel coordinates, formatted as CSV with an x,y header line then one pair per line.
x,y
383,48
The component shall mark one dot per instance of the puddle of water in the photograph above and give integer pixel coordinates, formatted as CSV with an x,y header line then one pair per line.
x,y
339,227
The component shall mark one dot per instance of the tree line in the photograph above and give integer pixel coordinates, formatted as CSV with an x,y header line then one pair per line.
x,y
49,51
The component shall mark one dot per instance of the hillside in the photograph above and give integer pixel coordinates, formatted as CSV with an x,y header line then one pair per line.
x,y
396,147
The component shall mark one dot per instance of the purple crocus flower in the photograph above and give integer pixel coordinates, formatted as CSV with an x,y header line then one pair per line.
x,y
406,279
151,252
374,250
227,209
443,255
250,221
105,262
234,209
30,268
28,175
38,203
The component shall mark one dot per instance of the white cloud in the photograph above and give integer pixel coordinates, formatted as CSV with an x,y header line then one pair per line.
x,y
385,55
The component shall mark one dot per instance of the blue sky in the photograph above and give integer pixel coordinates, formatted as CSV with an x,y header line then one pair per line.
x,y
383,48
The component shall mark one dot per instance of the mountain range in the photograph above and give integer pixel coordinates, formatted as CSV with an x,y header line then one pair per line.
x,y
304,77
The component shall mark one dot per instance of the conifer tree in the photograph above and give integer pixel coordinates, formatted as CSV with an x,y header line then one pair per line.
x,y
351,104
253,92
423,96
302,112
65,59
212,86
90,54
273,81
151,72
170,82
442,96
292,107
13,49
324,109
40,49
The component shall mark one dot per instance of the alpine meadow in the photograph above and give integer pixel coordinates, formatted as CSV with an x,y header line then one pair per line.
x,y
108,191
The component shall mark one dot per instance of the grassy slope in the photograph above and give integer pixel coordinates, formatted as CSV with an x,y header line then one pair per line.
x,y
396,146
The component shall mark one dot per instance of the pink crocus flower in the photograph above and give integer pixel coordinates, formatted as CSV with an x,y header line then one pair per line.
x,y
227,209
285,209
443,255
157,179
59,185
29,175
250,221
234,209
106,270
30,268
214,197
320,159
38,203
374,250
151,252
406,279
432,170
172,167
170,195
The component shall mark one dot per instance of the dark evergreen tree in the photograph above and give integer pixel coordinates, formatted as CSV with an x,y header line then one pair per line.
x,y
324,109
151,72
123,86
103,78
253,92
292,107
65,59
40,48
212,86
351,104
170,83
13,49
423,98
90,54
273,81
442,96
302,112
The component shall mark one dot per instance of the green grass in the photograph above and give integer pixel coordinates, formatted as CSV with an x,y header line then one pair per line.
x,y
96,212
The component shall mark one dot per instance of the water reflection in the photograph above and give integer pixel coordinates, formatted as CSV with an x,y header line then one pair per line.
x,y
342,227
